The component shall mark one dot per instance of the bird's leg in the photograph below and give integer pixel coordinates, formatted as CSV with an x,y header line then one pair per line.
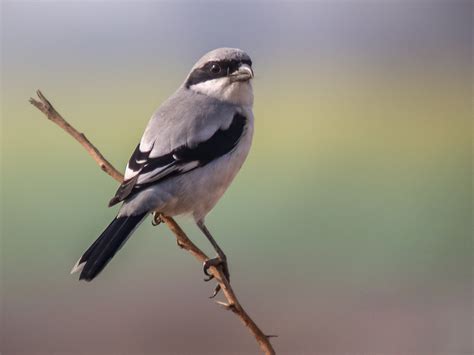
x,y
220,260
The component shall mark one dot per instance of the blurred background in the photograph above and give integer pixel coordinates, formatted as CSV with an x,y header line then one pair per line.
x,y
349,229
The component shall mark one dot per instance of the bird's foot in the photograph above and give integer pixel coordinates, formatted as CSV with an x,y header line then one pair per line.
x,y
216,262
156,220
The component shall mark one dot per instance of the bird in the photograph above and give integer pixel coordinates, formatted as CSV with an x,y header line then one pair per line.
x,y
191,150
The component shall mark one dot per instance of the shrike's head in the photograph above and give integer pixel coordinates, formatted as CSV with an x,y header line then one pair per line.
x,y
224,74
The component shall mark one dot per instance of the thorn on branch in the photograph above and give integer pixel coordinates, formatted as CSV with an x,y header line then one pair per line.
x,y
216,290
227,306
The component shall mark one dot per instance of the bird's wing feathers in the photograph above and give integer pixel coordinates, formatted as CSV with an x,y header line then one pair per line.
x,y
194,141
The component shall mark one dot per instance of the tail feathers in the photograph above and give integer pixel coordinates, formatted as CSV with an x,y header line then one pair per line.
x,y
94,260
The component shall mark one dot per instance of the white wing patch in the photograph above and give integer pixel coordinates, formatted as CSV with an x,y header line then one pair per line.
x,y
161,172
129,173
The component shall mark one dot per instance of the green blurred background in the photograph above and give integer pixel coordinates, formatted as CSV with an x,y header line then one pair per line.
x,y
349,229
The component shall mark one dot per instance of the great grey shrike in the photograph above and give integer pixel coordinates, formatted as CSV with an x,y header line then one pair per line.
x,y
191,150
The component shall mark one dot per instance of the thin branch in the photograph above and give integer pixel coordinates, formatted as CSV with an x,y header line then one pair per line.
x,y
45,106
182,239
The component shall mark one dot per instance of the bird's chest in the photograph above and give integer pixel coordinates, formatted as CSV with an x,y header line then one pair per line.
x,y
222,171
211,181
197,191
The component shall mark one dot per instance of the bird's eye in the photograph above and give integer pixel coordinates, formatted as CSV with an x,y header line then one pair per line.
x,y
215,68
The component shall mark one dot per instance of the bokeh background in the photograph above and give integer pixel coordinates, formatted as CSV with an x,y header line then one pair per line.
x,y
349,229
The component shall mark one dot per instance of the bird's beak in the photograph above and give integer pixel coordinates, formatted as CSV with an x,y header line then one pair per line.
x,y
244,73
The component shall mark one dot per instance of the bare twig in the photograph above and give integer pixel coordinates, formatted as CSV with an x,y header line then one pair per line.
x,y
182,239
45,106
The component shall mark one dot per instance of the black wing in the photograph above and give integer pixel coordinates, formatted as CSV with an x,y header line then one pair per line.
x,y
182,159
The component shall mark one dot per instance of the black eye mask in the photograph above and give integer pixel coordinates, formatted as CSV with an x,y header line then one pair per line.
x,y
209,71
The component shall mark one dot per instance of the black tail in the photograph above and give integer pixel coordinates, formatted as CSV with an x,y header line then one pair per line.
x,y
106,246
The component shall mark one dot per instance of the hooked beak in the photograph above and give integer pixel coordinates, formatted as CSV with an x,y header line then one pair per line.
x,y
244,73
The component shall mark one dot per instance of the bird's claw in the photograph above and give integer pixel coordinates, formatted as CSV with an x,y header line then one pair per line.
x,y
209,277
216,262
156,220
216,291
207,264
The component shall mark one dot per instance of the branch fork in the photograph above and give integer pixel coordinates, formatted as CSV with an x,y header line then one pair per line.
x,y
182,239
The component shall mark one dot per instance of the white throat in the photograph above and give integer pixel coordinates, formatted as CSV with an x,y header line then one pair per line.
x,y
237,92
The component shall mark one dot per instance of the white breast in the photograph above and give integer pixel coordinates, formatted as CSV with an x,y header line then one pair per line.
x,y
202,188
